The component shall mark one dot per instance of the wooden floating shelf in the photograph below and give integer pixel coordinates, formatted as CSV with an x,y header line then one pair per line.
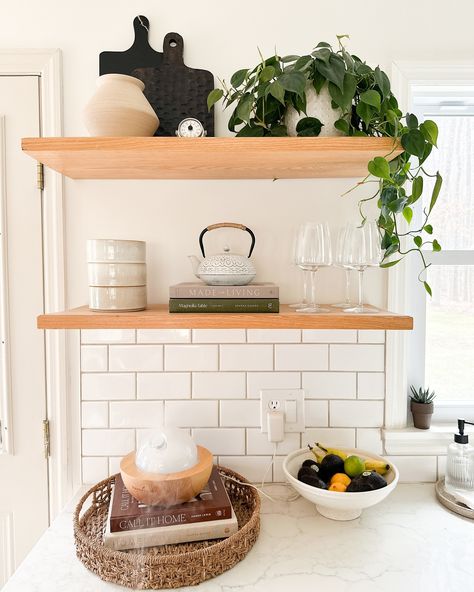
x,y
158,317
209,158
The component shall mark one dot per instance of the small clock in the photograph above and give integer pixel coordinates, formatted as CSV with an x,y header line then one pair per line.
x,y
190,128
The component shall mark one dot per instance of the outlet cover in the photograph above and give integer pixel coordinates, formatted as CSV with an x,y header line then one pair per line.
x,y
290,401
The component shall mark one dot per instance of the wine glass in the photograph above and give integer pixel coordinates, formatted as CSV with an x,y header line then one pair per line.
x,y
305,275
340,262
362,249
313,250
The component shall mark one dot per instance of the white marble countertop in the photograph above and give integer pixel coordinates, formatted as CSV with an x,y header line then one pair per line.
x,y
408,542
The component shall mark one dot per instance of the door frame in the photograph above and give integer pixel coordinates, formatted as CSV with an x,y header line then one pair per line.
x,y
62,471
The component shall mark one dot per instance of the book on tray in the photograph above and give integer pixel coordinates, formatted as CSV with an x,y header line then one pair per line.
x,y
132,525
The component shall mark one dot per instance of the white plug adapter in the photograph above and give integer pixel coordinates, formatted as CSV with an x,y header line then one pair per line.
x,y
276,426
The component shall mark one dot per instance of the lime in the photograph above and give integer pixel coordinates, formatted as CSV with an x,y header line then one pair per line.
x,y
354,466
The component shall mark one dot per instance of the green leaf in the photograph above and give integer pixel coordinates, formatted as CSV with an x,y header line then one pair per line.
x,y
293,82
371,97
412,121
277,91
418,241
364,111
318,81
323,44
397,205
429,129
289,58
250,131
427,288
322,53
428,229
214,96
244,108
344,98
436,190
308,126
278,130
379,167
342,125
303,62
333,70
414,143
390,263
416,189
267,74
407,214
383,82
238,78
436,246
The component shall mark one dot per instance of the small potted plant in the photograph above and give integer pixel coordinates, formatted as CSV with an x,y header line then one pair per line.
x,y
421,405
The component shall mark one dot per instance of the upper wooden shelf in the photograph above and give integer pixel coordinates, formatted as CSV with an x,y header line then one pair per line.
x,y
158,317
209,158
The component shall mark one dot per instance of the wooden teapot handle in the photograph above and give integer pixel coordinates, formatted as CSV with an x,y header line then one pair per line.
x,y
226,225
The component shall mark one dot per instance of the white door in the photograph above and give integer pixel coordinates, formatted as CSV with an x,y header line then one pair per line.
x,y
23,466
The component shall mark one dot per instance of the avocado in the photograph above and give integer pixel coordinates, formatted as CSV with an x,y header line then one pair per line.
x,y
367,481
330,465
309,463
309,476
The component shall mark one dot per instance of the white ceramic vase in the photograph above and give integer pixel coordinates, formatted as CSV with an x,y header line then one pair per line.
x,y
318,106
119,108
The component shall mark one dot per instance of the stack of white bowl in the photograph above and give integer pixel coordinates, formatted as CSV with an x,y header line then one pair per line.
x,y
117,274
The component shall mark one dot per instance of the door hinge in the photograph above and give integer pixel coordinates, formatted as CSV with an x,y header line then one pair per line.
x,y
46,438
40,176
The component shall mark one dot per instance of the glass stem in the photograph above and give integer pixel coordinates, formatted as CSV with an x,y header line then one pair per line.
x,y
361,285
313,287
348,286
305,286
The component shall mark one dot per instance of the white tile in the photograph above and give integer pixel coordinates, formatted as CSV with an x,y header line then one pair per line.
x,y
219,385
363,414
114,464
163,336
108,386
164,385
301,357
329,385
191,357
441,466
329,336
371,385
146,434
95,415
370,358
218,335
221,440
274,335
107,442
367,336
253,468
240,413
246,357
94,358
278,474
135,358
370,439
94,469
334,437
316,413
257,443
415,469
256,381
108,336
192,414
136,414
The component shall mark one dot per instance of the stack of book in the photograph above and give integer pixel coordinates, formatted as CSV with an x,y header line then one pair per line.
x,y
132,525
199,297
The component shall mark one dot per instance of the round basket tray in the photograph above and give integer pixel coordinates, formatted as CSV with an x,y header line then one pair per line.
x,y
168,566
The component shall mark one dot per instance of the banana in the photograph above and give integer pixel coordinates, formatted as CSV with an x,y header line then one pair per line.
x,y
317,453
379,466
328,450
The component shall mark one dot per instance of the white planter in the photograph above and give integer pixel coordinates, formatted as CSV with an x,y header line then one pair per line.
x,y
318,106
117,274
119,108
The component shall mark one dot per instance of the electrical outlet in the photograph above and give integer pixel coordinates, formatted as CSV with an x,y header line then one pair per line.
x,y
290,401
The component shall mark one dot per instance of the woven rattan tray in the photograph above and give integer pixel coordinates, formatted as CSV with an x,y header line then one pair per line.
x,y
169,566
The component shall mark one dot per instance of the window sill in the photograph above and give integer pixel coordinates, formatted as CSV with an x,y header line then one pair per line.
x,y
414,441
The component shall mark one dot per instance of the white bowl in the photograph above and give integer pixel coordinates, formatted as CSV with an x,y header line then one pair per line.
x,y
117,274
123,298
338,505
121,251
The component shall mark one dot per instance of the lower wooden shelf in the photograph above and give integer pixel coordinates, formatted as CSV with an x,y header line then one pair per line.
x,y
158,317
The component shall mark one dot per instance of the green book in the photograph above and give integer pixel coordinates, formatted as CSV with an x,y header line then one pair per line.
x,y
207,305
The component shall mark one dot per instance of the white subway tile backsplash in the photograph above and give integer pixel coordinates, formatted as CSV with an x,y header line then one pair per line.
x,y
257,443
369,358
163,336
94,358
316,413
246,357
335,437
278,474
135,358
94,469
136,414
219,385
256,381
116,442
329,336
164,385
370,385
301,357
221,440
364,414
253,468
108,336
191,357
114,464
441,466
370,439
329,385
108,386
274,335
240,413
218,335
95,414
192,414
415,469
367,336
145,434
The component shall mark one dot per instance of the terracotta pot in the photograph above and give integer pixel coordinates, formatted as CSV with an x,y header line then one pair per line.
x,y
119,108
422,413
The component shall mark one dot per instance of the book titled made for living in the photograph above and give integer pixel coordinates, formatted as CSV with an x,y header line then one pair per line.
x,y
201,290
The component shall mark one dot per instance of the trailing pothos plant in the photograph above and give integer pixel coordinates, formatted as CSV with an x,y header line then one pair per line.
x,y
262,95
